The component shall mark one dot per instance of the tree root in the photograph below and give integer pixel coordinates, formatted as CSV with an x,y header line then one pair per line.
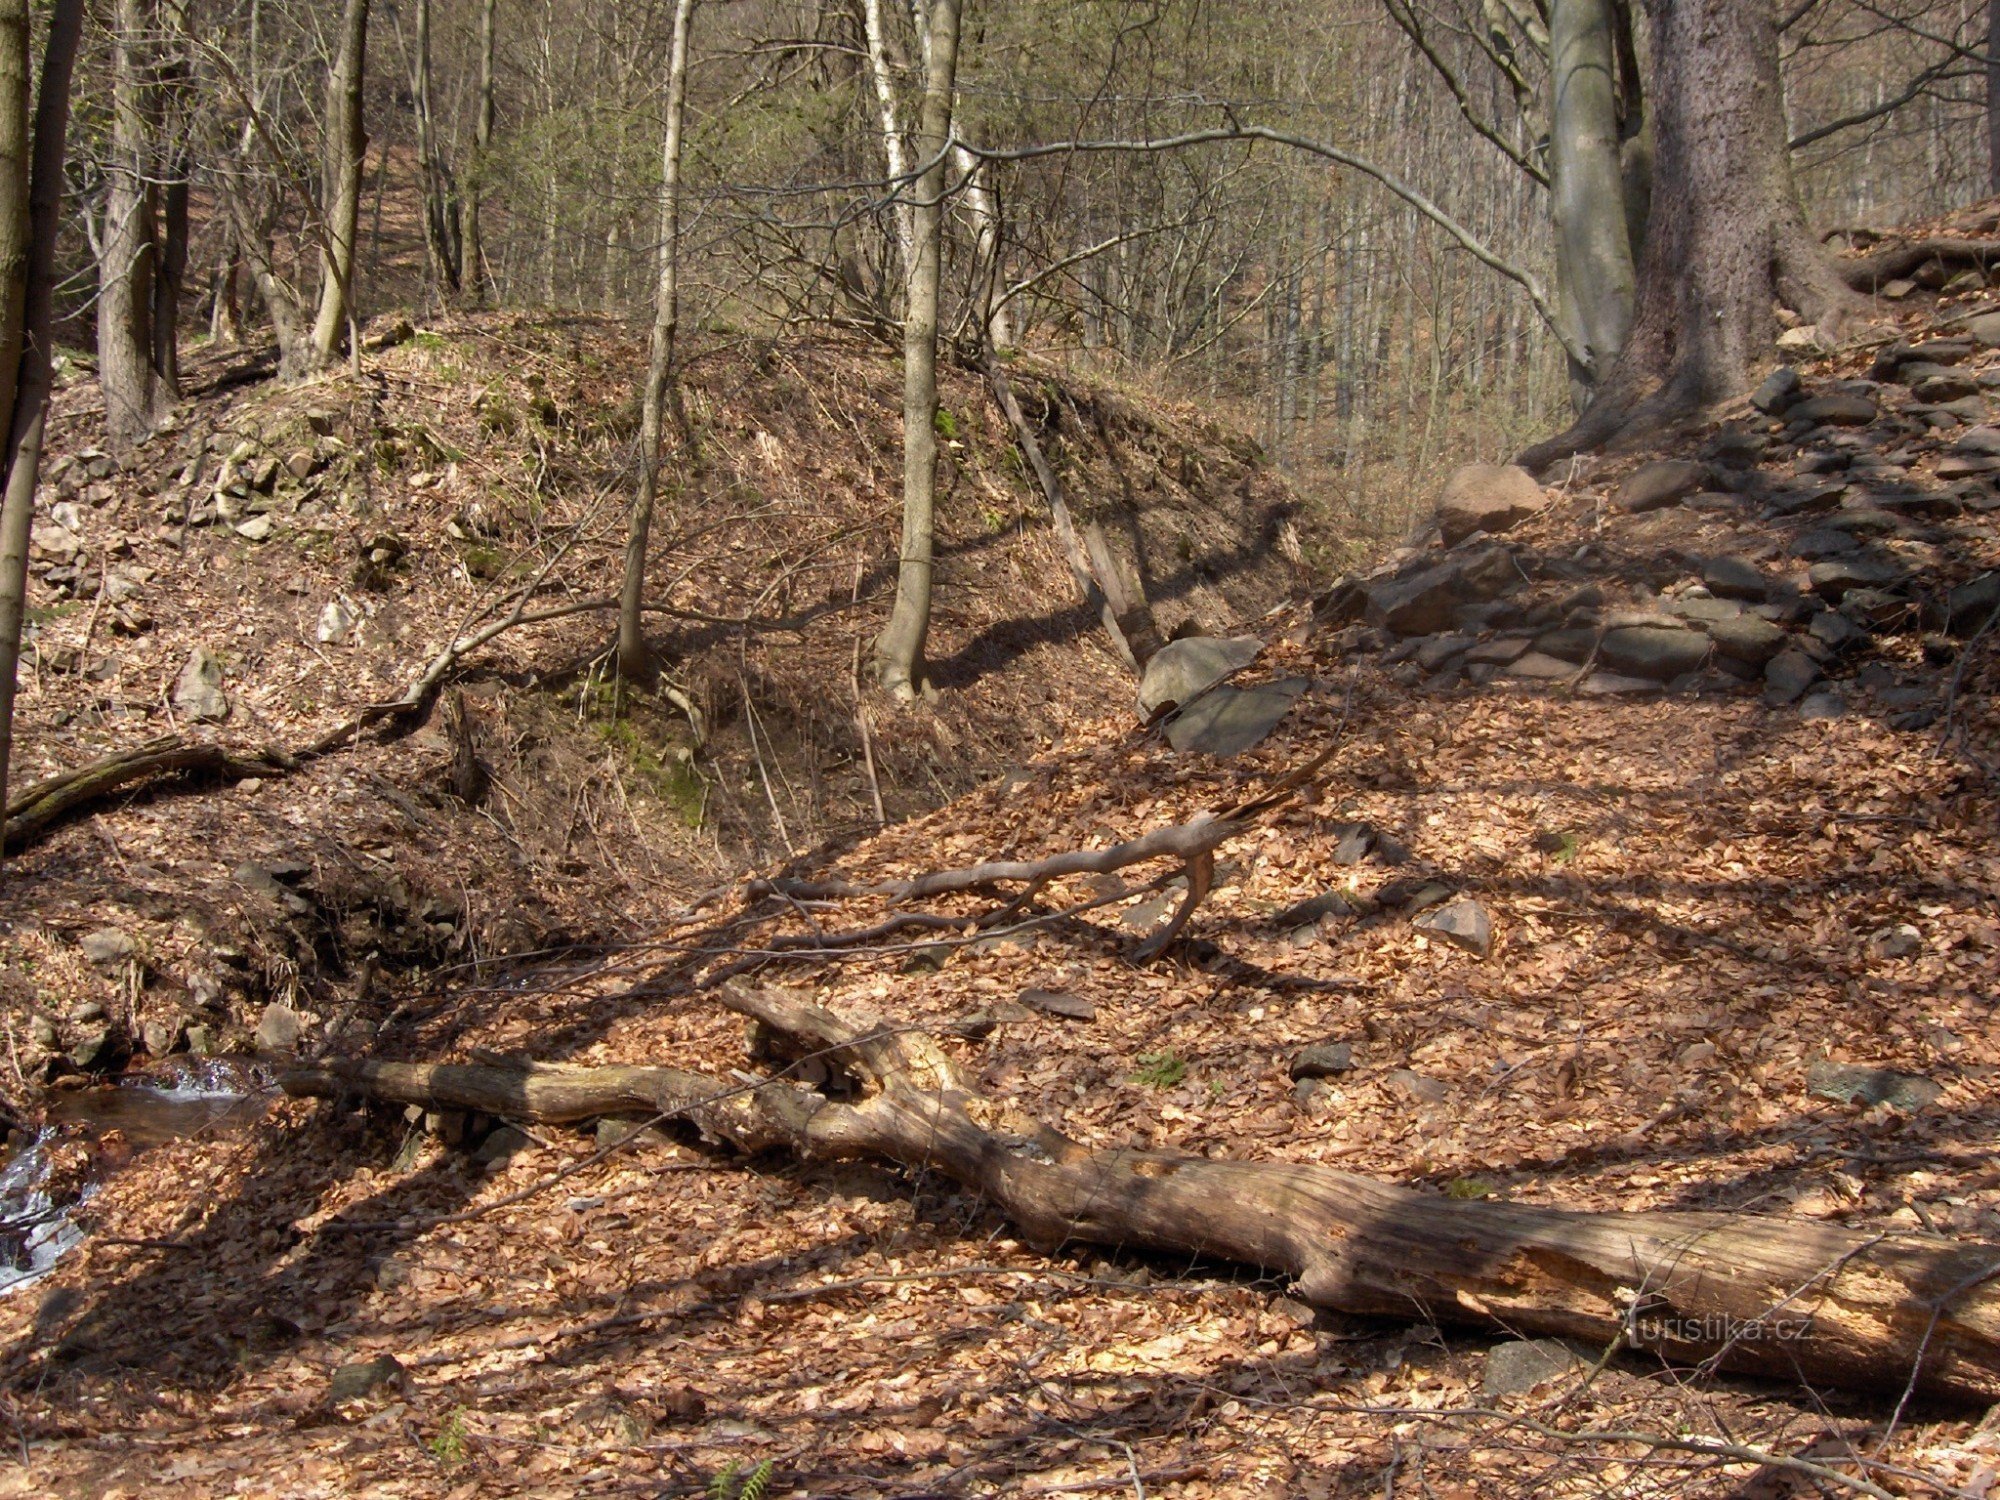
x,y
1788,1299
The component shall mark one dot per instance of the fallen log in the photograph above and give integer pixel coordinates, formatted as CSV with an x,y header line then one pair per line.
x,y
33,810
1788,1299
1867,273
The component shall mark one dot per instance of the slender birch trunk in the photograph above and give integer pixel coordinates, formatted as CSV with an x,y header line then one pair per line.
x,y
899,650
634,660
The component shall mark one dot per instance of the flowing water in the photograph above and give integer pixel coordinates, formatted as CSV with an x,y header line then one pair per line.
x,y
184,1096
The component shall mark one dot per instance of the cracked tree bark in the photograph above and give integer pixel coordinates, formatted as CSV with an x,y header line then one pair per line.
x,y
1788,1299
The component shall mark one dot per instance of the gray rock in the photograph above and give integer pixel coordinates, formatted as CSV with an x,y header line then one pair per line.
x,y
500,1144
1746,638
1703,609
1615,685
1439,649
1323,1060
1499,652
1181,671
108,947
279,1029
613,1132
1781,389
1658,652
1941,385
1833,411
1657,485
1571,645
101,1048
1825,704
1462,922
1835,631
1848,1083
1417,1086
364,1377
202,1040
1538,666
1832,580
1986,329
336,620
1059,1003
1786,677
1487,497
198,691
1899,941
1981,440
1523,1364
1969,606
1414,604
1356,839
1226,721
1823,542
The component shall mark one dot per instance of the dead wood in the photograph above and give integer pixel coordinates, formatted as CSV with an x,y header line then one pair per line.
x,y
1868,272
1789,1299
33,810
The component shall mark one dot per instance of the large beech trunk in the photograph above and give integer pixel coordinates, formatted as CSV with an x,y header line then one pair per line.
x,y
1784,1298
1726,240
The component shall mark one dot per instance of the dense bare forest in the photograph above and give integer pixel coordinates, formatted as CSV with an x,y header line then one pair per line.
x,y
917,747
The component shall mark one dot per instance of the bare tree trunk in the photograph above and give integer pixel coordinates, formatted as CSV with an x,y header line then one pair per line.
x,y
634,662
137,396
472,277
42,213
892,133
16,229
1594,271
899,651
1993,95
346,146
441,213
1727,240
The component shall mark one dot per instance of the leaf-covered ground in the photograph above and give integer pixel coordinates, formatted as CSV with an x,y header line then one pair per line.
x,y
1695,896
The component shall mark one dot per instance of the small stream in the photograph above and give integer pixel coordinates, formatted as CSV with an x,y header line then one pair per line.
x,y
184,1096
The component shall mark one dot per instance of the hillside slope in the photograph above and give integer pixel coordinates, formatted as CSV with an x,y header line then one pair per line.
x,y
1710,747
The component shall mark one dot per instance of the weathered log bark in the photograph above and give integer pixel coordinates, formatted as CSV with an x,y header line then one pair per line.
x,y
35,809
1788,1299
1867,273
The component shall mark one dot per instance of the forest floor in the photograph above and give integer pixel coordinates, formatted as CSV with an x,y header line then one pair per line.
x,y
1709,875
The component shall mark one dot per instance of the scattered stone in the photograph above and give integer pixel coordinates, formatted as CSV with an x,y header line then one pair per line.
x,y
1703,609
1970,606
1538,666
280,1029
1980,440
363,1377
1462,922
198,692
1615,685
613,1132
500,1144
102,1048
257,529
1355,841
1181,671
1059,1003
321,421
1657,652
1323,1060
1899,941
1787,675
1781,389
1501,651
1848,1083
1487,497
1823,542
1439,649
202,1040
1941,385
1833,411
1805,339
1825,704
1415,604
1747,638
1657,485
1314,909
1226,721
1898,289
108,947
1835,631
1986,329
1832,580
1523,1364
336,619
1418,1087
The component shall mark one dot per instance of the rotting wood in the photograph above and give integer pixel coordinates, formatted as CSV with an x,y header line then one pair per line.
x,y
1789,1299
35,809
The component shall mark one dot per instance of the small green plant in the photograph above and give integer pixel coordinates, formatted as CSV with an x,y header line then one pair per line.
x,y
1466,1189
425,339
945,424
1160,1070
448,1447
733,1484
